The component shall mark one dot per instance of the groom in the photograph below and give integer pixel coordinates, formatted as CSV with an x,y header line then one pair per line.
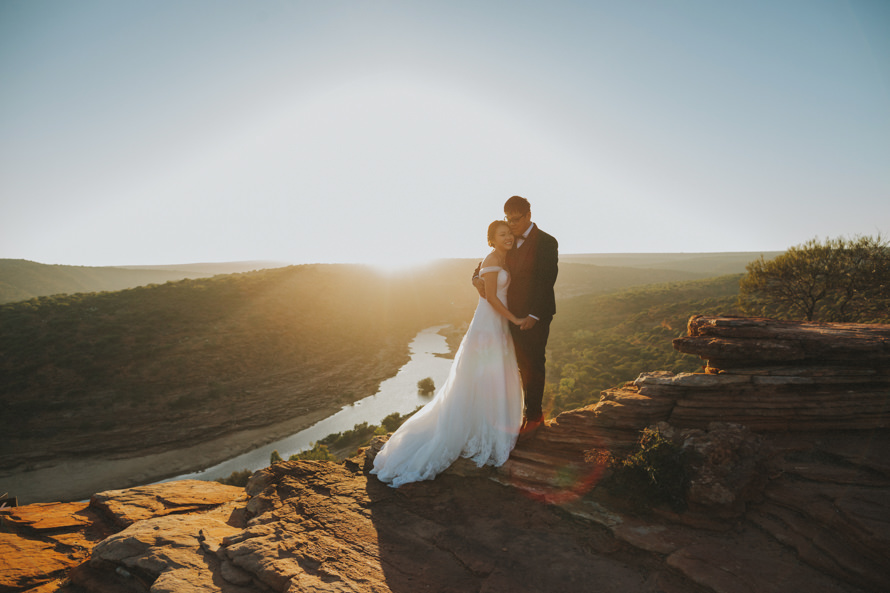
x,y
533,267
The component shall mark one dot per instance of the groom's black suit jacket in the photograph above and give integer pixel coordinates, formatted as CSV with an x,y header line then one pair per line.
x,y
533,269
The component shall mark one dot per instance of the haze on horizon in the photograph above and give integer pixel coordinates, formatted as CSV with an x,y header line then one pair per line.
x,y
393,131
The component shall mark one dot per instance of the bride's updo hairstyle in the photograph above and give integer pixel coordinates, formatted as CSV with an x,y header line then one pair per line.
x,y
493,228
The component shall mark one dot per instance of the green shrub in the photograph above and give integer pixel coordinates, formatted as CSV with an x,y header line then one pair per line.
x,y
236,478
359,435
655,473
319,452
394,421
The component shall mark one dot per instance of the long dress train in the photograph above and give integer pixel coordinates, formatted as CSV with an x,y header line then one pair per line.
x,y
475,414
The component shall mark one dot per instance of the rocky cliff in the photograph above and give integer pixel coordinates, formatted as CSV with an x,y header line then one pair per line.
x,y
787,448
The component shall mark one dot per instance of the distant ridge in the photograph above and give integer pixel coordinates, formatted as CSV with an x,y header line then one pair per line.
x,y
212,267
21,279
705,264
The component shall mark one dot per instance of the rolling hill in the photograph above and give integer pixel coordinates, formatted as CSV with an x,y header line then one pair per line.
x,y
21,279
159,366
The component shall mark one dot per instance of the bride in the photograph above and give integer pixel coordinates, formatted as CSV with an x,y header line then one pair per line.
x,y
477,412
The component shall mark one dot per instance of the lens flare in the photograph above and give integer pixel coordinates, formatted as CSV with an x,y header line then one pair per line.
x,y
555,482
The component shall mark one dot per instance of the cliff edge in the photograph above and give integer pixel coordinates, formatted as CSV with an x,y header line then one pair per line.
x,y
787,475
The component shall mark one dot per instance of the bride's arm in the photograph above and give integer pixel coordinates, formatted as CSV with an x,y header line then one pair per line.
x,y
491,295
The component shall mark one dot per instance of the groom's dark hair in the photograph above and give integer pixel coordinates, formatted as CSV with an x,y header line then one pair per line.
x,y
517,204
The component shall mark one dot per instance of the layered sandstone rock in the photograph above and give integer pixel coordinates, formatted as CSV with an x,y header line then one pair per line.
x,y
739,342
786,375
787,428
840,381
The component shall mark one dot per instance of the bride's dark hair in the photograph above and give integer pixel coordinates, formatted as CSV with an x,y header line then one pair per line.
x,y
493,228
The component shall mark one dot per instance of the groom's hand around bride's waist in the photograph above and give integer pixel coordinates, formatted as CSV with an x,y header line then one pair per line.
x,y
478,282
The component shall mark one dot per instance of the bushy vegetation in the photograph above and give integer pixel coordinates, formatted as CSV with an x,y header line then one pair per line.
x,y
655,473
347,442
426,386
395,420
360,433
600,341
318,452
833,280
237,478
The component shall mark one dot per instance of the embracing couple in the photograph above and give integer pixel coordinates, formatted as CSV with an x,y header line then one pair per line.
x,y
478,413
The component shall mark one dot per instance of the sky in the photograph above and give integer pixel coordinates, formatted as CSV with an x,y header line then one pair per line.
x,y
392,132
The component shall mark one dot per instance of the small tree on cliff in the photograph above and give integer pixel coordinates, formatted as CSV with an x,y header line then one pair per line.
x,y
838,280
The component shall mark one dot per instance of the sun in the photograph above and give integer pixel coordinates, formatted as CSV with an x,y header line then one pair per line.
x,y
391,264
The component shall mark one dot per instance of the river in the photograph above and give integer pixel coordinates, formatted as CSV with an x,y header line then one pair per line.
x,y
396,394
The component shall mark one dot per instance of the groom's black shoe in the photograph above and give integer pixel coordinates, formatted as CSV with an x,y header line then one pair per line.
x,y
530,426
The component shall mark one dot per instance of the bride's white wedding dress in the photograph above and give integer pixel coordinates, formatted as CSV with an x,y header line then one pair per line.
x,y
475,414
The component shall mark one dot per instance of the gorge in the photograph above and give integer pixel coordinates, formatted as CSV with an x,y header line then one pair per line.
x,y
787,446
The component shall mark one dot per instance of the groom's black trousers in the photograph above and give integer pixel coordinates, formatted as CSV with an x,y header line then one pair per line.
x,y
530,346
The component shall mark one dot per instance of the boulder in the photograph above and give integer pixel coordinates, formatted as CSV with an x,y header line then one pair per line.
x,y
727,468
40,542
126,507
170,554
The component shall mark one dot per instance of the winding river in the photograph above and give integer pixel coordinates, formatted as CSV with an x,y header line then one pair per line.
x,y
396,394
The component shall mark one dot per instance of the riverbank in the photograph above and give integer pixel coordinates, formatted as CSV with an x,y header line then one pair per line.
x,y
81,477
78,476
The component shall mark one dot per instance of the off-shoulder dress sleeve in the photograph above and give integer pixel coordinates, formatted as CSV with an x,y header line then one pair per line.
x,y
488,269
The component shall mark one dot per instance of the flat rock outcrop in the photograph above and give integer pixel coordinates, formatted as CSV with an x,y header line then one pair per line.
x,y
787,460
133,532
